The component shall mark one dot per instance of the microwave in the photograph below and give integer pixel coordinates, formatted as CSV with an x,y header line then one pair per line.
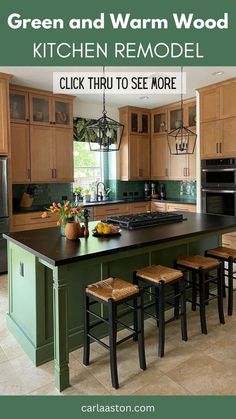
x,y
218,173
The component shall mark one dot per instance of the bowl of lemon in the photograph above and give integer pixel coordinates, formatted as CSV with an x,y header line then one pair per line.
x,y
106,230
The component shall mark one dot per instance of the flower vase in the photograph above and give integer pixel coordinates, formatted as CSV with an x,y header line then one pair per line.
x,y
63,227
72,230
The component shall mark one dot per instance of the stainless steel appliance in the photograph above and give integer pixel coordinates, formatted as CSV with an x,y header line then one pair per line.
x,y
218,177
146,219
218,173
4,220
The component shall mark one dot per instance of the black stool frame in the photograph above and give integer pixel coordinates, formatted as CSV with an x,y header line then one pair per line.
x,y
112,321
228,273
201,288
161,300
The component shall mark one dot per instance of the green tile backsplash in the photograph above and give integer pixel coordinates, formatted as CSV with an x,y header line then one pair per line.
x,y
44,193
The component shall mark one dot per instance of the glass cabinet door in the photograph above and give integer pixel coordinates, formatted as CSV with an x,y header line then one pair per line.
x,y
19,107
159,122
139,123
62,112
144,123
191,115
40,110
175,119
134,122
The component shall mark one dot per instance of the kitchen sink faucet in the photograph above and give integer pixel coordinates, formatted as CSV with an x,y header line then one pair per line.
x,y
99,195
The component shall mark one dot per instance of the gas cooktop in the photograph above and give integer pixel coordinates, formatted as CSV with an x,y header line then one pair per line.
x,y
146,219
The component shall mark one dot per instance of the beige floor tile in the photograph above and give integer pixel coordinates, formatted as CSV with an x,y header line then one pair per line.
x,y
203,375
10,347
10,382
163,386
3,357
47,390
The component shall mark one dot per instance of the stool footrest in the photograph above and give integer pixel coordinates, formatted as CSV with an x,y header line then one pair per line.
x,y
98,341
132,335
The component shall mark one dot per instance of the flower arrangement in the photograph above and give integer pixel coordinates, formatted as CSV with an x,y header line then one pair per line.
x,y
67,212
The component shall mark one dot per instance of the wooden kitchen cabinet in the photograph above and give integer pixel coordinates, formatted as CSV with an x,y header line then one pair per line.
x,y
183,167
103,211
48,148
139,121
4,113
19,106
136,207
160,157
218,138
227,100
32,221
20,153
158,206
159,121
189,115
180,207
210,104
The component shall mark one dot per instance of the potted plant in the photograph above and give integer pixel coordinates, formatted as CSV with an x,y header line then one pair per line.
x,y
78,190
87,196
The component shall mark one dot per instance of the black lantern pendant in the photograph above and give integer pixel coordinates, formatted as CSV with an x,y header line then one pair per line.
x,y
181,140
105,134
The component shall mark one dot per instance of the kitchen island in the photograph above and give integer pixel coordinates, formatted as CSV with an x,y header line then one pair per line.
x,y
48,273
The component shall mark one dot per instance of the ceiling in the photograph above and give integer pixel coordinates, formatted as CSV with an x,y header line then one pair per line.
x,y
41,78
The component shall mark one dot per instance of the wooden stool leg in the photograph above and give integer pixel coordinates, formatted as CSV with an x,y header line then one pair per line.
x,y
86,354
220,293
194,291
202,301
135,320
230,287
177,300
161,316
112,309
140,320
183,309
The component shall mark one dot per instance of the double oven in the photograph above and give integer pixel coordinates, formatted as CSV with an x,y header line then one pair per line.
x,y
218,179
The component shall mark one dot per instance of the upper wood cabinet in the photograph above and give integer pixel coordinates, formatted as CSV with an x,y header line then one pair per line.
x,y
50,110
4,113
210,105
19,106
159,121
137,120
175,115
135,148
218,120
160,157
20,153
227,100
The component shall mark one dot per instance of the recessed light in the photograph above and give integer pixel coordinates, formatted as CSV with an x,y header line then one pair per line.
x,y
217,73
144,97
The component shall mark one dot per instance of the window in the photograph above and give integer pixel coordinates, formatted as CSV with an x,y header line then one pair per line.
x,y
87,165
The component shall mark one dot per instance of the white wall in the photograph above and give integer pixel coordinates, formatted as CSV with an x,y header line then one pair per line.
x,y
94,110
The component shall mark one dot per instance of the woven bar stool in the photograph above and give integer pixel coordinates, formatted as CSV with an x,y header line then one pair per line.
x,y
226,254
201,268
159,277
113,292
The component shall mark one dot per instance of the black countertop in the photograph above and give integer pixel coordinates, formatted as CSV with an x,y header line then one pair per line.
x,y
35,208
51,247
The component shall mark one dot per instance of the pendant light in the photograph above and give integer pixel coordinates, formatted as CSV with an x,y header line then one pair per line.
x,y
181,140
105,134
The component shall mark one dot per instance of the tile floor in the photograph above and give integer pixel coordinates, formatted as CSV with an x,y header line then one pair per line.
x,y
205,365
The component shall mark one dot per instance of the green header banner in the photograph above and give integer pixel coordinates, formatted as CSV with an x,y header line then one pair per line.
x,y
117,33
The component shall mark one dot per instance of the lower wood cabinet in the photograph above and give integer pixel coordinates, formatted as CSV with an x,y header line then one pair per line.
x,y
181,207
103,211
158,206
136,207
32,221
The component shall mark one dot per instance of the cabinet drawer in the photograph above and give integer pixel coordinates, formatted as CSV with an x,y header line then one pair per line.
x,y
180,207
139,207
32,221
158,206
105,210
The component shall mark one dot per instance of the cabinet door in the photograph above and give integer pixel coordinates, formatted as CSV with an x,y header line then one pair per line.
x,y
41,109
62,113
20,153
210,139
190,116
144,122
63,154
134,122
139,157
174,118
227,100
210,105
41,154
160,157
4,127
178,166
143,157
228,147
159,121
191,166
19,106
158,206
